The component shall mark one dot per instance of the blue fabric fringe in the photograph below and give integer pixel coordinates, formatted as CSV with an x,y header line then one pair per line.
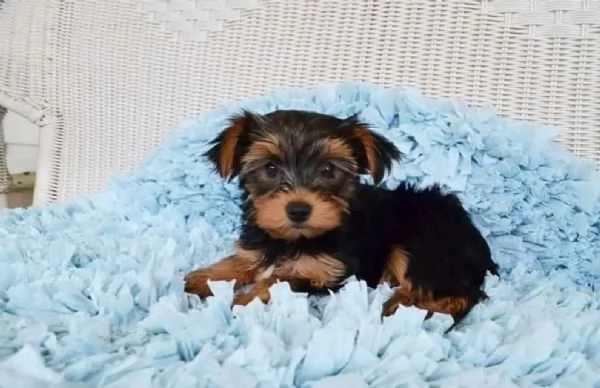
x,y
91,291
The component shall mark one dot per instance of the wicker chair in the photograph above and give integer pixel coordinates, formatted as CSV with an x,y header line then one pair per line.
x,y
5,178
105,78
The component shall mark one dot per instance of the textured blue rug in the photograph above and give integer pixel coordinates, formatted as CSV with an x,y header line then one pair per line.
x,y
91,290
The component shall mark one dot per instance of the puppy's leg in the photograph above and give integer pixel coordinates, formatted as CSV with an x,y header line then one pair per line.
x,y
260,289
445,305
241,267
406,295
304,273
395,273
401,296
457,307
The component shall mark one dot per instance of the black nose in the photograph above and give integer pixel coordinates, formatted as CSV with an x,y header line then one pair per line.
x,y
298,211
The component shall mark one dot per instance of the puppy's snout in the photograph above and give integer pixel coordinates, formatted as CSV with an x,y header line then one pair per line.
x,y
298,211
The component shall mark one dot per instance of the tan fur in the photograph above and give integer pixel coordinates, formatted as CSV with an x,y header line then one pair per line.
x,y
395,270
259,290
407,295
271,215
337,149
365,137
320,271
265,148
242,267
447,305
228,145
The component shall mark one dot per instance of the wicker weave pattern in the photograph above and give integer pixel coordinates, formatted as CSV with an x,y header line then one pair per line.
x,y
193,20
550,19
114,80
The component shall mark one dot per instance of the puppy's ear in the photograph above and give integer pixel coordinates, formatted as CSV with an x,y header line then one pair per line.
x,y
228,147
374,153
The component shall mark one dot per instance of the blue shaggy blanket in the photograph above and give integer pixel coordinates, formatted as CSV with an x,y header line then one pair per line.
x,y
91,291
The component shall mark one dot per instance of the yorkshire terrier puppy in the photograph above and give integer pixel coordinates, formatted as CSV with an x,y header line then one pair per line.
x,y
309,221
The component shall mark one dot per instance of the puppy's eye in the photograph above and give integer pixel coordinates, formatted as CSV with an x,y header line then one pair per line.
x,y
327,170
271,170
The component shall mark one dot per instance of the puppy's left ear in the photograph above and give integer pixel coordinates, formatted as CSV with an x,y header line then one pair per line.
x,y
374,153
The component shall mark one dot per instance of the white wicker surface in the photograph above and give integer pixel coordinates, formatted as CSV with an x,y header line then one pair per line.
x,y
5,179
114,74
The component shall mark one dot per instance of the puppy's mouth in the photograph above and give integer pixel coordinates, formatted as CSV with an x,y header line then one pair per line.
x,y
295,231
300,214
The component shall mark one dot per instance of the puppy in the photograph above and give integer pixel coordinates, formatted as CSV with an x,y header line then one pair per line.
x,y
308,220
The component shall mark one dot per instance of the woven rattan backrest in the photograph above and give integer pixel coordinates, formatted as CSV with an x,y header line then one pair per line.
x,y
105,78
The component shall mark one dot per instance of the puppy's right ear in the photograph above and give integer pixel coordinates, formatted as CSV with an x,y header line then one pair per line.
x,y
228,147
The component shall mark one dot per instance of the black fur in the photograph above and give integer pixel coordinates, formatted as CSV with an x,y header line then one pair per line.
x,y
306,128
448,255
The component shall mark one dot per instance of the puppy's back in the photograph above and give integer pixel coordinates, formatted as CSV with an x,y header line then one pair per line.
x,y
449,255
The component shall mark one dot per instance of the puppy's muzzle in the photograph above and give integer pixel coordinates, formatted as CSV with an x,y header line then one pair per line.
x,y
298,211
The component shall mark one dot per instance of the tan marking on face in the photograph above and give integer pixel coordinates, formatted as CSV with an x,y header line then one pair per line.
x,y
265,148
337,149
271,214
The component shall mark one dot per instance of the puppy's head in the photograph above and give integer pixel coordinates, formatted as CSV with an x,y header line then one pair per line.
x,y
299,169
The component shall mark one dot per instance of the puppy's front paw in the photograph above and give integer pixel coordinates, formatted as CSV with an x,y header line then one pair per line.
x,y
196,282
390,307
400,297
